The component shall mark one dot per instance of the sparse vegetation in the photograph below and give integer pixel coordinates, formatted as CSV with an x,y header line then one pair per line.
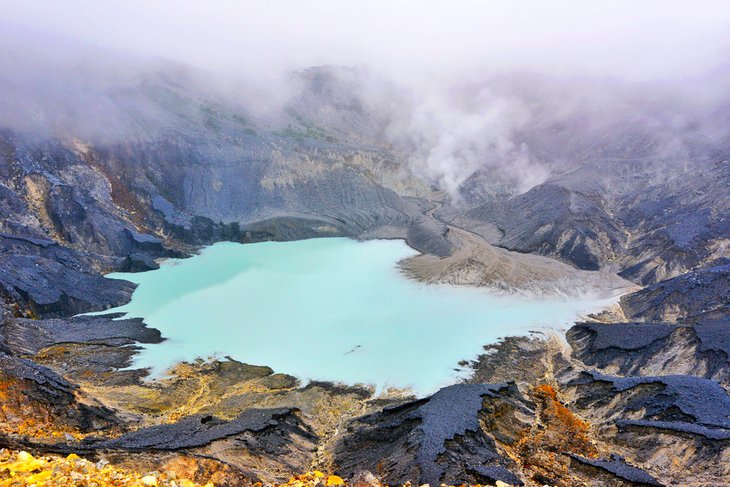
x,y
304,130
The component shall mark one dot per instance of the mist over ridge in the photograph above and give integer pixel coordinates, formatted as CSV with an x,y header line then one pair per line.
x,y
296,202
514,127
457,93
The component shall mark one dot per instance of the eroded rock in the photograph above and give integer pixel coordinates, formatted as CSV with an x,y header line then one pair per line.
x,y
702,294
36,401
442,438
676,426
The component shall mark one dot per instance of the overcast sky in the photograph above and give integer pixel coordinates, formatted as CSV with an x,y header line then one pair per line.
x,y
444,116
631,39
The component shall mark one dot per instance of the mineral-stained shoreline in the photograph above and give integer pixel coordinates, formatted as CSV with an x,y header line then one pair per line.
x,y
635,396
532,410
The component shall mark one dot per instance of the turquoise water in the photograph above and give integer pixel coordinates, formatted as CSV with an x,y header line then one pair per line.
x,y
327,309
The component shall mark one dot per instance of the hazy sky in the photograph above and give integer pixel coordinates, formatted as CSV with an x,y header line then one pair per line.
x,y
634,39
443,117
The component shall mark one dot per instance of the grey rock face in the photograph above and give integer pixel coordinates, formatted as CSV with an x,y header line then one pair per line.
x,y
50,288
269,441
701,349
429,236
618,467
38,395
198,431
554,220
437,439
650,419
686,403
28,337
701,294
620,213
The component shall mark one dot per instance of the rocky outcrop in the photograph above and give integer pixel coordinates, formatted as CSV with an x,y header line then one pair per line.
x,y
48,280
677,220
267,440
519,359
51,289
683,329
700,349
38,402
616,466
199,430
442,438
81,347
658,421
28,337
702,294
622,213
669,402
659,397
555,220
430,237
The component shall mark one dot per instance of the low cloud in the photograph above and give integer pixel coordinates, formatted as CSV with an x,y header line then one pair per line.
x,y
435,80
449,135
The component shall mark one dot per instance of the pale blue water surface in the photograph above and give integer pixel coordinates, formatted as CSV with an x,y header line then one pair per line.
x,y
328,309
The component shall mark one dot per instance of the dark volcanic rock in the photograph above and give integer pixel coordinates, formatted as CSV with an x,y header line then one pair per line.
x,y
701,349
52,289
678,426
700,294
714,336
679,403
429,236
80,347
678,221
264,443
53,280
555,220
618,467
200,430
28,337
624,336
622,212
437,439
34,396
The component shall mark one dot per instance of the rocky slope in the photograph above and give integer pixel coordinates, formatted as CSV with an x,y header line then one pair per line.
x,y
624,402
622,214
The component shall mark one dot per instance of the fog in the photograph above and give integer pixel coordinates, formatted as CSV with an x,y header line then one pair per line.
x,y
640,40
441,83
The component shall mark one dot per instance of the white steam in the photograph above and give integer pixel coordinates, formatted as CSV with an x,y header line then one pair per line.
x,y
448,137
425,87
